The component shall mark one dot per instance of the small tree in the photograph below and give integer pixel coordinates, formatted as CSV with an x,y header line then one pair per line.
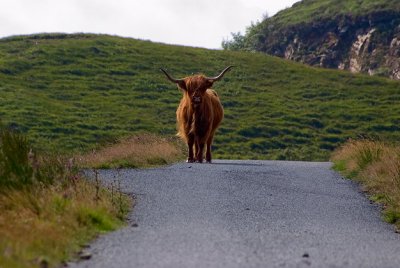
x,y
236,43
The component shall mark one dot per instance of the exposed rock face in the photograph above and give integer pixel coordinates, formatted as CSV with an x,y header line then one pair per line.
x,y
359,50
393,59
368,44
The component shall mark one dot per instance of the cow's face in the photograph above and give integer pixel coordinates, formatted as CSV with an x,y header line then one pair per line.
x,y
195,87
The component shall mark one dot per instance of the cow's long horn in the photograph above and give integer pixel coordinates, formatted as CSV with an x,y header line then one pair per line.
x,y
173,80
220,75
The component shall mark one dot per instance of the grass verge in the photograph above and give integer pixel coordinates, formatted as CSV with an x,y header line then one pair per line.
x,y
376,165
139,151
47,210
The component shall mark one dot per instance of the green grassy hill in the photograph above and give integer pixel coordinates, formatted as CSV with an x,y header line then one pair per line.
x,y
311,10
74,92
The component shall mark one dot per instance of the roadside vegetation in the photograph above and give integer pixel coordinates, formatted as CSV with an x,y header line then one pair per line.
x,y
142,151
77,93
376,165
48,211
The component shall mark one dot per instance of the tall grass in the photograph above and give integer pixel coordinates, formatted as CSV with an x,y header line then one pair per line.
x,y
144,150
376,165
47,209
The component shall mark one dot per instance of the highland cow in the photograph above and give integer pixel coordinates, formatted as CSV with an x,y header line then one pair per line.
x,y
199,113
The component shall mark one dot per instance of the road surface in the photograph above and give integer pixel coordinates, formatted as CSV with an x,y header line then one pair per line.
x,y
246,214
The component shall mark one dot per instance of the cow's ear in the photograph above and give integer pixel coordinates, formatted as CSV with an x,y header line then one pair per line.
x,y
182,85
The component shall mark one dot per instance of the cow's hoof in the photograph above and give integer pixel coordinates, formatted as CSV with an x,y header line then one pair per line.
x,y
208,161
189,160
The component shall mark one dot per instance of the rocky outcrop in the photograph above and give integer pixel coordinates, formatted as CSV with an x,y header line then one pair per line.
x,y
368,44
393,59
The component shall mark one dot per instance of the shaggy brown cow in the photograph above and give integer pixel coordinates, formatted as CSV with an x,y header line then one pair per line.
x,y
199,113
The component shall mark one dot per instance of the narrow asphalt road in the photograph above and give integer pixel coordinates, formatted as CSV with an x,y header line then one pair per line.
x,y
246,214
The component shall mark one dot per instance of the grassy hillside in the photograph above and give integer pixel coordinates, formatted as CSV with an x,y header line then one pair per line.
x,y
308,10
74,92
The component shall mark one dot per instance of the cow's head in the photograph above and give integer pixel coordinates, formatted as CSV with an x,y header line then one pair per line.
x,y
196,85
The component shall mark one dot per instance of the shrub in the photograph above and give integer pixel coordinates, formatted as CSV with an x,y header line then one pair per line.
x,y
16,169
21,167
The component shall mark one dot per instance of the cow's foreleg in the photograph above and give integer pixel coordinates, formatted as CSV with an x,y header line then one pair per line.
x,y
199,153
190,143
196,150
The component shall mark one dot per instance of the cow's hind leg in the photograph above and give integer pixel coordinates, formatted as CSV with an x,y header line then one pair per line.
x,y
208,151
190,143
